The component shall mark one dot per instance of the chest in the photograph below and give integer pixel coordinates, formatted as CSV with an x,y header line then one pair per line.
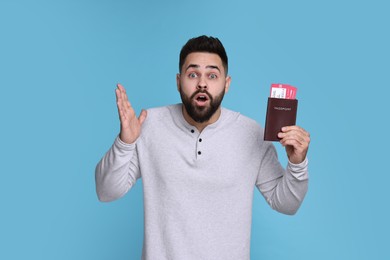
x,y
208,160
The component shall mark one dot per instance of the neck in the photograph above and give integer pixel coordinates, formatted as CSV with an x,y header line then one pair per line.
x,y
201,126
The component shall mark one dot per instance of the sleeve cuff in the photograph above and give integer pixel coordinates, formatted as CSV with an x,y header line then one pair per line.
x,y
124,146
300,170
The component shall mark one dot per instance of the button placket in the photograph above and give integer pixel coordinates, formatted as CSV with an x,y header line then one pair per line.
x,y
199,146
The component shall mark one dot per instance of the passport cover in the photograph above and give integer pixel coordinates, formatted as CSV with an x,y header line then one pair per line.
x,y
280,112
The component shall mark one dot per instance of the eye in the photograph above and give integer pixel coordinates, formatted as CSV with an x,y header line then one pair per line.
x,y
192,75
213,76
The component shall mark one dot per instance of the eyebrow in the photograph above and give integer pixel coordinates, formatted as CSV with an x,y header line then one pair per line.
x,y
207,67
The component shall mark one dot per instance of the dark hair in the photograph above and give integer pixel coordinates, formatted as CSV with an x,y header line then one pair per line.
x,y
204,44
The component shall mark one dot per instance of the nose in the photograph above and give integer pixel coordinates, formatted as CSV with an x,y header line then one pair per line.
x,y
202,84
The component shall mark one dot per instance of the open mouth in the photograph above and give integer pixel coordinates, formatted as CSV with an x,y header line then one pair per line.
x,y
201,99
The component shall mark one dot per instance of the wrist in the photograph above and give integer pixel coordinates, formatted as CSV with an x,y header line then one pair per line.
x,y
126,139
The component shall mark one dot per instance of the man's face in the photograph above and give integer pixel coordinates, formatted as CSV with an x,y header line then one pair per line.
x,y
202,84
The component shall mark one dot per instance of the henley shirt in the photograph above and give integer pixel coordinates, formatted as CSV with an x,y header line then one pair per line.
x,y
198,186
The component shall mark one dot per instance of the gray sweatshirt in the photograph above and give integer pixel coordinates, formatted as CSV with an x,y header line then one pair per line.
x,y
198,187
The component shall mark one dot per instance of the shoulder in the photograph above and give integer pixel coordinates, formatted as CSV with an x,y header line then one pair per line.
x,y
160,113
160,117
242,122
244,129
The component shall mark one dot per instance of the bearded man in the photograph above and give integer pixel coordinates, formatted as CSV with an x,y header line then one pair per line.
x,y
200,164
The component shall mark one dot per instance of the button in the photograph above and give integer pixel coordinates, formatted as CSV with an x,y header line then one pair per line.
x,y
199,152
200,139
192,131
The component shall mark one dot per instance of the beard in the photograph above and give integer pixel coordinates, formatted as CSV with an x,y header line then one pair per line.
x,y
204,113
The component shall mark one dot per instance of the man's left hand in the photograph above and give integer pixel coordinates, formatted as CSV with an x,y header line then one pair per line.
x,y
296,140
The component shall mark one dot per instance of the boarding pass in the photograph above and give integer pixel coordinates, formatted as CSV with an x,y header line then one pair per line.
x,y
283,91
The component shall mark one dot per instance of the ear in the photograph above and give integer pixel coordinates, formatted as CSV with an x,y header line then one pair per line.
x,y
178,81
227,83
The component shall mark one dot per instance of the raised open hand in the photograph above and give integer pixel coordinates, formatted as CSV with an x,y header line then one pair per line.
x,y
130,124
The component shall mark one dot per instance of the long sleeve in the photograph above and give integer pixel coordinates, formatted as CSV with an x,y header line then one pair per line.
x,y
117,171
284,190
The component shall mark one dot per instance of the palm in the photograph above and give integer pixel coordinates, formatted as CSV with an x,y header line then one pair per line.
x,y
130,124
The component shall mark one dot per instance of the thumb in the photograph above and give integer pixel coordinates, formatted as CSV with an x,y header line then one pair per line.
x,y
142,116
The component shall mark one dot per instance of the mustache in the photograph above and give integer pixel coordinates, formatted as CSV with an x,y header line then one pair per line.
x,y
199,91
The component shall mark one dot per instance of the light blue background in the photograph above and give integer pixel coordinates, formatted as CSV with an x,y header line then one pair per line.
x,y
60,61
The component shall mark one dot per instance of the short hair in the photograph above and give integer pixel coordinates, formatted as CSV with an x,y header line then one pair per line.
x,y
204,44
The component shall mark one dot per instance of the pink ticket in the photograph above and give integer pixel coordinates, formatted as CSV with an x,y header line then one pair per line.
x,y
283,91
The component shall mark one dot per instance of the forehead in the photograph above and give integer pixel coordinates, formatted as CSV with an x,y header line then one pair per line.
x,y
203,59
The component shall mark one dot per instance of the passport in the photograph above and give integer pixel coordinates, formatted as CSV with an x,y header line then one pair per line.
x,y
280,112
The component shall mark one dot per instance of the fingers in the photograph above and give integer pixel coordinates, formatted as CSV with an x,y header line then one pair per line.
x,y
123,93
294,133
130,124
122,96
294,136
296,140
125,110
142,116
120,105
124,106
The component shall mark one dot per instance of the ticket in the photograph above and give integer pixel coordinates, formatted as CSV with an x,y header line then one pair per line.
x,y
283,91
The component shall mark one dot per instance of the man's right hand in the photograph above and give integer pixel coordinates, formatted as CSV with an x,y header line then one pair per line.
x,y
130,124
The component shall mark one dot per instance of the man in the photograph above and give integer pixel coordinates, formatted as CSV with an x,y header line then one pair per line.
x,y
199,164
